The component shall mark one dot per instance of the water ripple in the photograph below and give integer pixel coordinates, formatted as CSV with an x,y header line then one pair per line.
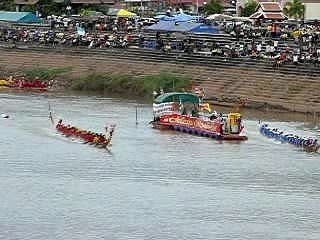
x,y
152,185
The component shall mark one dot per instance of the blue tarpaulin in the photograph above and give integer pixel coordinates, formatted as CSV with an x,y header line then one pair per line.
x,y
162,26
19,17
169,26
203,28
182,17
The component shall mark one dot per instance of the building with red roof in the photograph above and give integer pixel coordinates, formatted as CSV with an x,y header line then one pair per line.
x,y
269,11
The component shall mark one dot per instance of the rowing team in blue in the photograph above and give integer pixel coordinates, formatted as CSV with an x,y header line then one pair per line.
x,y
309,144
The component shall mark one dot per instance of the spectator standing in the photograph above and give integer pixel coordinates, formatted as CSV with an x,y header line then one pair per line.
x,y
267,49
249,48
273,30
295,59
275,45
259,48
272,51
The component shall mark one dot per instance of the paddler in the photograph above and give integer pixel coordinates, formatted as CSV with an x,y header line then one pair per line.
x,y
96,139
91,137
82,134
102,139
59,122
86,136
68,131
77,132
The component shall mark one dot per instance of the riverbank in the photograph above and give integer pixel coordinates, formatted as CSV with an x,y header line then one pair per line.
x,y
225,80
142,86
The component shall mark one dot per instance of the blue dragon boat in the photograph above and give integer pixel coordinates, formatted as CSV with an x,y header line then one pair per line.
x,y
308,144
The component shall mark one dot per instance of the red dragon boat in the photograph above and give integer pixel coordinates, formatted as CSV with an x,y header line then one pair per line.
x,y
96,139
185,112
23,84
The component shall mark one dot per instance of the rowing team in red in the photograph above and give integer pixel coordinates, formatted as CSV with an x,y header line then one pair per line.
x,y
97,139
22,83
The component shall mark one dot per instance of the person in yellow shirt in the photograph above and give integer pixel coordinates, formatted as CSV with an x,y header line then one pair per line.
x,y
96,139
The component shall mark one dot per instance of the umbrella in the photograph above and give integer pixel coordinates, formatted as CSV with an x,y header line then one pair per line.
x,y
125,13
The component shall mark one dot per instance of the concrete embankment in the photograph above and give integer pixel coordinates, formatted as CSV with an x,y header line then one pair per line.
x,y
294,88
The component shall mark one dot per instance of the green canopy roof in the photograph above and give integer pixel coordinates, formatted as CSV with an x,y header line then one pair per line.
x,y
177,97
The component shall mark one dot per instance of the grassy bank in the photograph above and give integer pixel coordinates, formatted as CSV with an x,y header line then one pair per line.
x,y
44,74
101,83
141,86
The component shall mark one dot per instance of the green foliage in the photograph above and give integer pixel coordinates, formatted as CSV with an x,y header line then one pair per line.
x,y
295,9
166,81
44,74
128,84
48,7
85,12
213,7
249,8
7,5
45,7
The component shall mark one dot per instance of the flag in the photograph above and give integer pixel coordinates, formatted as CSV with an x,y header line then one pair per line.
x,y
205,107
241,130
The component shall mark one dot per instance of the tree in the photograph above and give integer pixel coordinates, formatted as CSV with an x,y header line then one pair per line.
x,y
7,5
84,12
45,7
295,9
249,8
214,6
48,7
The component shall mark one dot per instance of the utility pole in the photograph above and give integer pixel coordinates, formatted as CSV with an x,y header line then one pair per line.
x,y
197,7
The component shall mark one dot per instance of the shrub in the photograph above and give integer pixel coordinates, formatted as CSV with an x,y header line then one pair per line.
x,y
134,85
44,74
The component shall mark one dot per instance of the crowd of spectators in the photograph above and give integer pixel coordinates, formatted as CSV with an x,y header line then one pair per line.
x,y
280,42
74,32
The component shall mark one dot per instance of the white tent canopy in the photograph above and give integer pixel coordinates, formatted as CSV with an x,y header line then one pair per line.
x,y
221,17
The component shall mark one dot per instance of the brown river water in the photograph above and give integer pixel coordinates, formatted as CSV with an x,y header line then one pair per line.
x,y
151,184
